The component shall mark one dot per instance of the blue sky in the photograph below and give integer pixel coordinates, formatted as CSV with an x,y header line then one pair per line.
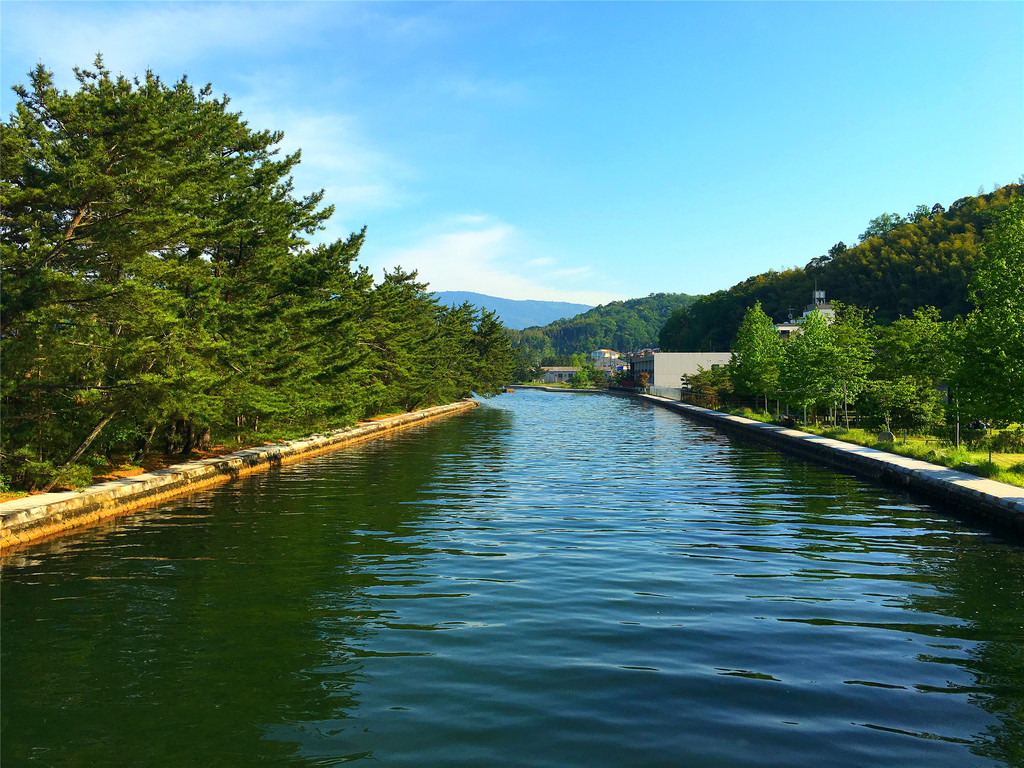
x,y
588,151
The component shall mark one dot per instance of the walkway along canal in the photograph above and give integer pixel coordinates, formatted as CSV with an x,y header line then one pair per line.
x,y
999,503
546,580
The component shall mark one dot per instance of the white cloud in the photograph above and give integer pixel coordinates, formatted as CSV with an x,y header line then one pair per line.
x,y
337,157
488,259
134,37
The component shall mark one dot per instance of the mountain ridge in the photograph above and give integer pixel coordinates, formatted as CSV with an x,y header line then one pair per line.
x,y
516,314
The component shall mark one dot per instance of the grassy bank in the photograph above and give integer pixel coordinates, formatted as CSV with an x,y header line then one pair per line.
x,y
1004,467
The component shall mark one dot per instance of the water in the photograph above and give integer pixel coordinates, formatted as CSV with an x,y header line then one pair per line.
x,y
548,580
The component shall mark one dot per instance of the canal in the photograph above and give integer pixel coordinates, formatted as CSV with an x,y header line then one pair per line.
x,y
547,580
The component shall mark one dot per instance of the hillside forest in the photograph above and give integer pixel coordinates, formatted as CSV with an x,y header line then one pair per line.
x,y
160,291
629,325
902,263
918,373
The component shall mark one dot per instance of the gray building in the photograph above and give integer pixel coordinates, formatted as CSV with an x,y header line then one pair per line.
x,y
665,369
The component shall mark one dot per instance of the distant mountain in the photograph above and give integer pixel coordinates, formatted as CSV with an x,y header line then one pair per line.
x,y
621,325
515,314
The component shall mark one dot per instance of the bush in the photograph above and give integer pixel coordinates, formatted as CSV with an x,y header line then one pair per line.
x,y
75,476
1009,441
26,472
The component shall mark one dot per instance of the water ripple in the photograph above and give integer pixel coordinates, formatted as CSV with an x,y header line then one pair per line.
x,y
549,580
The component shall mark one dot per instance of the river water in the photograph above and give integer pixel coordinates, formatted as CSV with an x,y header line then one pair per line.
x,y
547,580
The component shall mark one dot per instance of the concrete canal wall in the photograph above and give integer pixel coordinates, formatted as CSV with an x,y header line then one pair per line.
x,y
999,503
34,517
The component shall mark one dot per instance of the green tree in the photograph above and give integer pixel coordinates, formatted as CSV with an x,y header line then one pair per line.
x,y
492,355
911,358
159,286
757,355
807,370
990,380
899,403
131,211
851,356
881,225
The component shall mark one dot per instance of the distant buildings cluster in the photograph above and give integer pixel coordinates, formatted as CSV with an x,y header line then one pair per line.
x,y
665,370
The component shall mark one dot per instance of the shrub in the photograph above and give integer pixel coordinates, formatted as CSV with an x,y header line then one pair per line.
x,y
1009,441
75,476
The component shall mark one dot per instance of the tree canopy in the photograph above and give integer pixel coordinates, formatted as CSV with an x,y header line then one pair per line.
x,y
990,380
159,284
925,259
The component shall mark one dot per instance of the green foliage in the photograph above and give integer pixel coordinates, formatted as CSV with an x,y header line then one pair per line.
x,y
159,289
923,261
806,368
1009,441
708,386
621,325
898,404
587,375
911,357
72,477
990,379
757,356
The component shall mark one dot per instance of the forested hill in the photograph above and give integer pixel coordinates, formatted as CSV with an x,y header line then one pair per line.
x,y
514,313
901,263
620,325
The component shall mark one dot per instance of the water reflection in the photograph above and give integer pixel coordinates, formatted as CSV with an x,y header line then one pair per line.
x,y
548,580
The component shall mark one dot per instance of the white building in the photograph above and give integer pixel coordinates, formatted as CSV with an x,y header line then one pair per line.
x,y
819,303
665,369
558,374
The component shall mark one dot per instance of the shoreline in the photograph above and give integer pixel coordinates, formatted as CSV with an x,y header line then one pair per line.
x,y
31,519
996,503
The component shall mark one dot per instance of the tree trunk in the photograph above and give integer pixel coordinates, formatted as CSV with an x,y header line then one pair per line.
x,y
846,407
81,449
140,455
186,448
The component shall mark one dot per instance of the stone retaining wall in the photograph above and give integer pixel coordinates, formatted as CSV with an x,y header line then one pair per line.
x,y
999,503
34,517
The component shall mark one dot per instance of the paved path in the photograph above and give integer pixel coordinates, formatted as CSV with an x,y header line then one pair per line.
x,y
1000,502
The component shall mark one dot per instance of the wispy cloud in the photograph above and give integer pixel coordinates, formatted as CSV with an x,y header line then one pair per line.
x,y
337,156
489,258
136,36
475,89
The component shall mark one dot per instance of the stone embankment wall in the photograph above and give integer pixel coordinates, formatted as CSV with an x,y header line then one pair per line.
x,y
35,517
998,503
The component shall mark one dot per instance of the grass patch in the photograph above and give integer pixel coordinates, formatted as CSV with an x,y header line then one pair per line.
x,y
1004,467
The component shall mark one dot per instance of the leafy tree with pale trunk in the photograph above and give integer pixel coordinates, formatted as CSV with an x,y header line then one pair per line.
x,y
757,355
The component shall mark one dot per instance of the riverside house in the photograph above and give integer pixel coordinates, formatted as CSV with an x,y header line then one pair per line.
x,y
558,374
